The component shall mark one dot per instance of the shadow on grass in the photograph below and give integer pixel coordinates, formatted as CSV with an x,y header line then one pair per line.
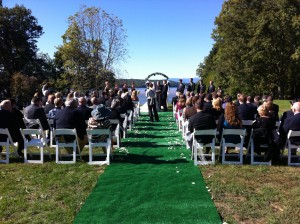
x,y
145,159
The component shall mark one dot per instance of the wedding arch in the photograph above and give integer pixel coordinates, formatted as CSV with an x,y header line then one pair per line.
x,y
156,73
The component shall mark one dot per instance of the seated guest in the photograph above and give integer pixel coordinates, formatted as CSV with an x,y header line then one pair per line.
x,y
273,108
208,103
134,96
201,121
102,99
94,102
190,111
217,109
245,111
127,102
175,98
285,115
293,123
83,109
8,120
49,104
110,99
18,114
115,114
180,105
71,118
230,120
100,120
264,132
257,101
35,111
58,102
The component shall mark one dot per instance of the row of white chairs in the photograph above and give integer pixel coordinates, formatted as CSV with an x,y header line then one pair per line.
x,y
200,156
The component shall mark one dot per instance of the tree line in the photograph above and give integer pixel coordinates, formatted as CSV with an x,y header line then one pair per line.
x,y
256,49
93,44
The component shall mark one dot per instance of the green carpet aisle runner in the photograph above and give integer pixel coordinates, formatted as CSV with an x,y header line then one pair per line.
x,y
154,183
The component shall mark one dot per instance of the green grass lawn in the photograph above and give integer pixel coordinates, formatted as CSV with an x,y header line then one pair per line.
x,y
255,194
44,193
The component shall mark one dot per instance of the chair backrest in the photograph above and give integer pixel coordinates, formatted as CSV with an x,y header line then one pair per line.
x,y
4,131
91,132
247,122
240,132
64,132
293,134
212,132
28,122
31,132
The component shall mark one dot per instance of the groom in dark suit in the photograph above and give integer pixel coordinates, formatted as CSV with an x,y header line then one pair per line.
x,y
201,121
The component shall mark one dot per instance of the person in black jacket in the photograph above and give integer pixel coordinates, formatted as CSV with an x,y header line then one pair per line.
x,y
201,121
8,120
71,118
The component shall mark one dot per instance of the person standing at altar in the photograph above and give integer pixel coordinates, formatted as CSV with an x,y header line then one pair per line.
x,y
180,87
164,95
158,91
151,100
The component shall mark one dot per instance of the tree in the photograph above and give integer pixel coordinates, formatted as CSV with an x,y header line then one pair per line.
x,y
256,47
19,31
92,45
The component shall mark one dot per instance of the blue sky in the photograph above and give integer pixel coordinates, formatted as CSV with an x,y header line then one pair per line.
x,y
167,36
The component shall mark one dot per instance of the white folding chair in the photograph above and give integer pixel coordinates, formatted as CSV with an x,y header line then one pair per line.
x,y
37,140
291,146
197,148
130,120
124,126
224,144
6,144
179,119
92,144
257,159
61,143
116,137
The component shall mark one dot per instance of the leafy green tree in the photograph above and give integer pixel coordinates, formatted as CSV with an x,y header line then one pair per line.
x,y
256,47
19,31
92,45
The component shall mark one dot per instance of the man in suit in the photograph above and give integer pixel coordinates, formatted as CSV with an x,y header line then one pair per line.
x,y
8,120
201,88
180,87
201,121
245,111
71,118
274,108
50,103
191,86
83,109
35,111
164,95
293,123
211,87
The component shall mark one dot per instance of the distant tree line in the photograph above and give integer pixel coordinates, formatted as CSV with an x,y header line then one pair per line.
x,y
93,44
256,49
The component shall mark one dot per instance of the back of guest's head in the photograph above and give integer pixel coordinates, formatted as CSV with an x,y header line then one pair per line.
x,y
208,97
36,100
94,101
263,110
249,99
217,104
5,105
296,107
228,99
115,103
188,102
70,96
194,99
270,98
58,102
199,104
58,95
231,114
51,98
214,95
71,103
82,101
242,98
